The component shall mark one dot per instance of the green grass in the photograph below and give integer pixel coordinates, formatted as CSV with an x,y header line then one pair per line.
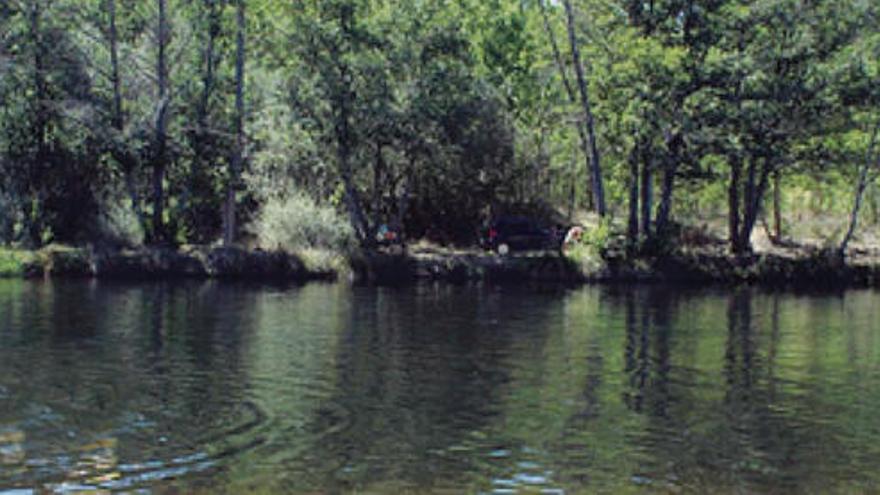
x,y
13,261
323,261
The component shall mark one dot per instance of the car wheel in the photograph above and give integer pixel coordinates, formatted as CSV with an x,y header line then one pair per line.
x,y
503,249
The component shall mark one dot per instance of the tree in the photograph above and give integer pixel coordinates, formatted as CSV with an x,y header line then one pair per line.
x,y
595,164
235,163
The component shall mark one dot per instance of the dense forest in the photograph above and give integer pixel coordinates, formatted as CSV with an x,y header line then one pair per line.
x,y
315,122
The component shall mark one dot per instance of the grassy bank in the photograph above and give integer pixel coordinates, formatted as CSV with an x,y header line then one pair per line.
x,y
14,261
692,265
791,267
162,263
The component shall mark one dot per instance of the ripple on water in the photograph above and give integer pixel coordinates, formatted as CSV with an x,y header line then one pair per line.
x,y
45,449
514,470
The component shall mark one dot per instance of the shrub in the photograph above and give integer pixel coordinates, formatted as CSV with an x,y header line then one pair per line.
x,y
9,217
118,224
13,263
297,223
588,250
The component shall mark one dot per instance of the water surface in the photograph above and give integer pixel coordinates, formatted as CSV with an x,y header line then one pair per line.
x,y
213,388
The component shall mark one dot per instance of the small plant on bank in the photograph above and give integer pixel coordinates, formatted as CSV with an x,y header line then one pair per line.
x,y
13,262
297,224
589,248
118,223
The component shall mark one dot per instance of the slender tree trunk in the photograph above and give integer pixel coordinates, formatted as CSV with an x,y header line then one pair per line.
x,y
733,204
754,197
40,90
595,162
201,137
33,209
875,208
674,144
749,189
572,97
159,157
403,202
352,198
572,190
665,207
208,61
378,176
343,153
633,224
118,119
120,152
647,193
235,165
343,101
864,179
777,208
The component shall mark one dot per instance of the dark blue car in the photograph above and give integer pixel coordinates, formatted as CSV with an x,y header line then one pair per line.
x,y
512,233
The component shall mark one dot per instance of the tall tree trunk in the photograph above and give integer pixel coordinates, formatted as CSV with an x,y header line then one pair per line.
x,y
733,201
777,208
569,90
378,178
864,180
674,144
647,193
595,162
118,118
229,224
663,211
403,202
33,208
208,56
201,137
572,189
633,223
120,151
159,158
344,141
343,154
352,198
754,196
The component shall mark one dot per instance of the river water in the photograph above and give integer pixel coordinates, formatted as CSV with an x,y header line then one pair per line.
x,y
224,388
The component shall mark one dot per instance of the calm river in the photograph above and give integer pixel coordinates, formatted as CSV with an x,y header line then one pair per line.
x,y
225,388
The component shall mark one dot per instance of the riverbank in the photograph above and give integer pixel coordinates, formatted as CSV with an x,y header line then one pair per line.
x,y
691,266
163,263
792,267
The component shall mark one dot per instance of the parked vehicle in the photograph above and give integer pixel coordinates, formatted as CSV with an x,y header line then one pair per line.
x,y
507,234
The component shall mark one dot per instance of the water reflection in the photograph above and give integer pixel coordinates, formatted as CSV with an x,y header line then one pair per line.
x,y
436,389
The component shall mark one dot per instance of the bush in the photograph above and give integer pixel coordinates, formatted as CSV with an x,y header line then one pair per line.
x,y
588,249
118,223
13,262
297,223
10,217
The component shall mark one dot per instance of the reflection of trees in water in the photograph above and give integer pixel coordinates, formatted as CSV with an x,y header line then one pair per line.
x,y
420,375
706,402
143,371
714,391
647,350
750,432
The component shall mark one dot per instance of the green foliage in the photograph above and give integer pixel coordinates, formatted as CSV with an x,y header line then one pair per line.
x,y
425,115
296,223
589,249
13,262
118,223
